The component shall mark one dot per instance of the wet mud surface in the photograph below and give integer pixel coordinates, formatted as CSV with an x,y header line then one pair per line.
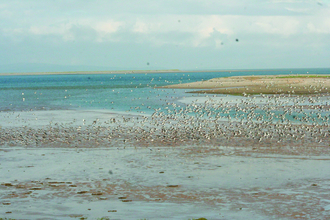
x,y
161,183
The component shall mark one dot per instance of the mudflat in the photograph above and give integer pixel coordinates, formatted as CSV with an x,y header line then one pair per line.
x,y
127,169
188,182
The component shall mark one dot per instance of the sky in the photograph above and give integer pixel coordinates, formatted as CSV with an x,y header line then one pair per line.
x,y
67,35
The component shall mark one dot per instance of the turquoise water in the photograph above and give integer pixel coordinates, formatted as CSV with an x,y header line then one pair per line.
x,y
116,92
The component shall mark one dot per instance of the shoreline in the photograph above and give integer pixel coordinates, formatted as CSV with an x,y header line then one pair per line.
x,y
262,84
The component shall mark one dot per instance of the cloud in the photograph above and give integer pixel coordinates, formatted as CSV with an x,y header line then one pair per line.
x,y
80,30
191,31
129,27
200,26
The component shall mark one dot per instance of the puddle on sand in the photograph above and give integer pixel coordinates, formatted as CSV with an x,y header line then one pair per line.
x,y
160,183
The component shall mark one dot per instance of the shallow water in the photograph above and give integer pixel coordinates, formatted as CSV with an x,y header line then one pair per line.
x,y
118,92
138,94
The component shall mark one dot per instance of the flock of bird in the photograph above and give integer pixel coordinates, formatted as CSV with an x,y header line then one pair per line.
x,y
274,123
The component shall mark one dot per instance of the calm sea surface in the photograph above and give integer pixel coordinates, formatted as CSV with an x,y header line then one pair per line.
x,y
114,92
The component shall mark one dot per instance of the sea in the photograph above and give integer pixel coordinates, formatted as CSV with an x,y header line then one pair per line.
x,y
134,93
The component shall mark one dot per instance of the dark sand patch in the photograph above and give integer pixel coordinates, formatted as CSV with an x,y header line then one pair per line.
x,y
234,184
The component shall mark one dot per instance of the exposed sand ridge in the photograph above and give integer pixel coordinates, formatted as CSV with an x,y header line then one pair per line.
x,y
271,84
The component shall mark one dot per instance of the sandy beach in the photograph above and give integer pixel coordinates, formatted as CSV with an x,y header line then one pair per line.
x,y
279,84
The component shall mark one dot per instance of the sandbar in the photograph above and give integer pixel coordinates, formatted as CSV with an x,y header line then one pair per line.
x,y
265,84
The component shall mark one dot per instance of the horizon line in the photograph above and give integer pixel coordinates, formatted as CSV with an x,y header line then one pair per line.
x,y
148,71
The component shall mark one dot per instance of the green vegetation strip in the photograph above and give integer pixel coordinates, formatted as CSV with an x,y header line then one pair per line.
x,y
304,76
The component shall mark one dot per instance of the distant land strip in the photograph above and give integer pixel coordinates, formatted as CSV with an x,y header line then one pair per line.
x,y
302,84
136,72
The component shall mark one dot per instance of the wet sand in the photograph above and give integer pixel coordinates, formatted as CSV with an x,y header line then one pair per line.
x,y
92,164
162,183
279,84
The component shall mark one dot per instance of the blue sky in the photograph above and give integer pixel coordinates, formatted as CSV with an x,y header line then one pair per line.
x,y
166,34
